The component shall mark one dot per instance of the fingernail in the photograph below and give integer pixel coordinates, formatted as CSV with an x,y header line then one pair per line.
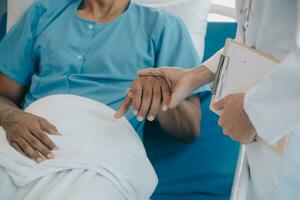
x,y
50,156
55,149
164,108
135,112
140,118
150,118
130,94
39,160
55,132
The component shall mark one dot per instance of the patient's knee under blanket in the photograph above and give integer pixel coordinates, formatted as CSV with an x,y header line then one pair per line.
x,y
91,140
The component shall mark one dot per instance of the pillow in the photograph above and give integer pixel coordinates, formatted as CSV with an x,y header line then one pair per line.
x,y
15,9
194,14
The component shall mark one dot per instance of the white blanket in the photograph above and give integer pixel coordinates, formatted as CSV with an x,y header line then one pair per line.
x,y
98,157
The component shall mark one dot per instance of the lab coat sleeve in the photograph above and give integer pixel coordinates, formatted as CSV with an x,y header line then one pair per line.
x,y
274,106
213,62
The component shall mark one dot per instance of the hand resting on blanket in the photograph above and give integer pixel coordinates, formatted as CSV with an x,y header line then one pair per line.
x,y
27,134
91,140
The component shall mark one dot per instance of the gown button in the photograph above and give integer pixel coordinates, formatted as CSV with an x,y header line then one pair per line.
x,y
91,27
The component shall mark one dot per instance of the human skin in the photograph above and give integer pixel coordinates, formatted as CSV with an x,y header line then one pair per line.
x,y
149,98
234,119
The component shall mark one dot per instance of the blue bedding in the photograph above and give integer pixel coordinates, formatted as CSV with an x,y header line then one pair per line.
x,y
201,171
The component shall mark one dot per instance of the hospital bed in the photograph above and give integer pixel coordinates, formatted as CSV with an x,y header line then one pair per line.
x,y
205,169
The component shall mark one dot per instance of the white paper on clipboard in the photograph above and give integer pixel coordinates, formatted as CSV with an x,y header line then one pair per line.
x,y
240,69
243,68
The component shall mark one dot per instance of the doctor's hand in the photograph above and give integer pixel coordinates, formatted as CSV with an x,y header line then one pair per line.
x,y
27,134
182,82
234,120
179,81
148,96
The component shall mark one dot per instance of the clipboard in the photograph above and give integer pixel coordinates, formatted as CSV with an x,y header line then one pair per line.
x,y
241,68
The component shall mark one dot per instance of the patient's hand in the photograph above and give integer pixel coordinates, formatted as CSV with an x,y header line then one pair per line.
x,y
26,133
148,95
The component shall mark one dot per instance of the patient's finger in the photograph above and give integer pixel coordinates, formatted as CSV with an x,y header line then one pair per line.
x,y
156,102
49,128
137,92
17,148
28,150
165,95
39,146
146,101
124,108
40,135
129,92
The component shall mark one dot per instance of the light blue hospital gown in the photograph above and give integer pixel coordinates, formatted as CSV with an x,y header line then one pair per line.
x,y
52,50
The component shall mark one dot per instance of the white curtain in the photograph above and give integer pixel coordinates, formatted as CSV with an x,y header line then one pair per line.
x,y
15,9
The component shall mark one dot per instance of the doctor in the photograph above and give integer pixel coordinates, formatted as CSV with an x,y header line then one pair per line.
x,y
270,109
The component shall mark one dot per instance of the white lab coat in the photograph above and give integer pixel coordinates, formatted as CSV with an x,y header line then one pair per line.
x,y
274,105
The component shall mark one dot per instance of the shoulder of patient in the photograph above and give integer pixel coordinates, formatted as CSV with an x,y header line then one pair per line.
x,y
157,20
42,12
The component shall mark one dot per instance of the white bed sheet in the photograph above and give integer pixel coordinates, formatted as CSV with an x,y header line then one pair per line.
x,y
92,143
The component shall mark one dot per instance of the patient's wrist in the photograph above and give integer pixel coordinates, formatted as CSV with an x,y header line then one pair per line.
x,y
9,116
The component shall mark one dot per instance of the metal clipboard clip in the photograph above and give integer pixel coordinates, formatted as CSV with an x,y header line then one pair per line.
x,y
220,73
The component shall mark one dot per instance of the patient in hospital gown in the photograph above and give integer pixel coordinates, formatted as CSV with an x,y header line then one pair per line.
x,y
77,71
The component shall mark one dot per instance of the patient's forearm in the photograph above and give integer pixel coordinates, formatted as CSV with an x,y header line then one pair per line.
x,y
25,132
183,122
7,107
11,94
